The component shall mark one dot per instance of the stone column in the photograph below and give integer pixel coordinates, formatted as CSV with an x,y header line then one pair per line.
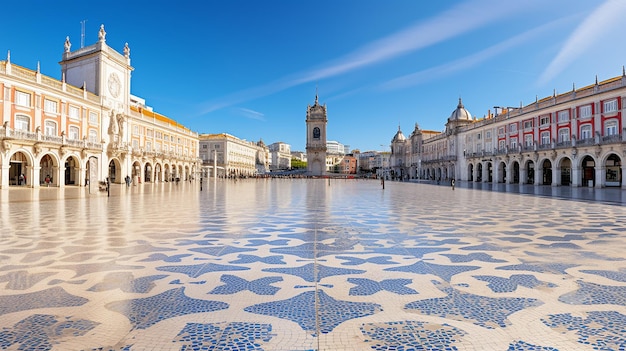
x,y
556,176
576,175
56,176
600,176
4,176
81,175
538,173
36,176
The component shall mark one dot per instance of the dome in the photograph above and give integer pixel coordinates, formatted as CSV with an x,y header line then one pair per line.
x,y
460,114
398,137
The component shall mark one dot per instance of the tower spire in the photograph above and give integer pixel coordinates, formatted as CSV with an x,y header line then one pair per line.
x,y
316,96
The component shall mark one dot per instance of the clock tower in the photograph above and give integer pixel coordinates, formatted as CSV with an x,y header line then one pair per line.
x,y
106,73
316,138
101,70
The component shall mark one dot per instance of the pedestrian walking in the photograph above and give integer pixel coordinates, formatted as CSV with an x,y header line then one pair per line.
x,y
452,183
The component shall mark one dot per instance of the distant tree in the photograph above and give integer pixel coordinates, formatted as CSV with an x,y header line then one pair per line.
x,y
297,163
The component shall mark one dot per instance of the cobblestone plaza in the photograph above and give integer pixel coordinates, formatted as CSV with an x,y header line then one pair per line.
x,y
309,264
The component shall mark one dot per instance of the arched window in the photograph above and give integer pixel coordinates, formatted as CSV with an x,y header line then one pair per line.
x,y
610,128
93,136
545,138
51,128
74,134
22,123
316,133
585,132
563,135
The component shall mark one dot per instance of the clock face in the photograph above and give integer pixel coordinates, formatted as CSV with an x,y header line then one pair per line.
x,y
114,84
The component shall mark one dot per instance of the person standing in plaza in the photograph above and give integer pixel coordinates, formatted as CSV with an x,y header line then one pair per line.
x,y
127,180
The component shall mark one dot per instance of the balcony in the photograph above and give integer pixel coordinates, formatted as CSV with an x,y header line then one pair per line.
x,y
544,146
612,139
563,144
31,138
585,142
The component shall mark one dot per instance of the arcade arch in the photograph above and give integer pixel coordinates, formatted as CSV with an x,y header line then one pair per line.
x,y
115,171
20,163
613,171
72,171
588,166
565,166
546,167
530,172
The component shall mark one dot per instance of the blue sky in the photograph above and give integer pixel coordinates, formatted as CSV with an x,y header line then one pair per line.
x,y
250,68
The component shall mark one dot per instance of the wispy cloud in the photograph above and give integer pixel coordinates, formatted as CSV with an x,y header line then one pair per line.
x,y
453,22
589,31
251,114
468,61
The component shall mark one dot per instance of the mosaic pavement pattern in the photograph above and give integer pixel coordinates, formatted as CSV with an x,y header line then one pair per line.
x,y
304,265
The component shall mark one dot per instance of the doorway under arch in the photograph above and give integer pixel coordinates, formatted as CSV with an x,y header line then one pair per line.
x,y
115,170
72,171
566,171
547,172
147,173
18,169
530,172
515,172
613,166
588,166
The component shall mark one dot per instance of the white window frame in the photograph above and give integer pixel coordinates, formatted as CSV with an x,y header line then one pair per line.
x,y
513,127
528,124
545,138
563,135
93,118
584,111
50,128
73,112
563,116
609,106
514,143
22,98
74,133
93,136
585,132
22,122
610,128
50,106
544,120
135,144
135,130
528,140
